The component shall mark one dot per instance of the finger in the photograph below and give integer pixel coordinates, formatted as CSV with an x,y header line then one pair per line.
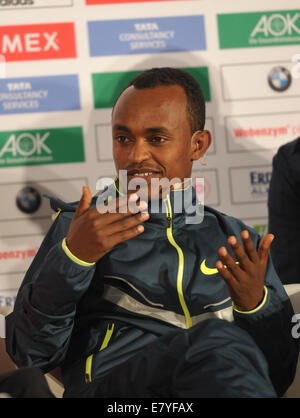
x,y
84,203
125,224
229,262
107,219
249,246
264,247
122,236
225,273
239,253
124,205
112,205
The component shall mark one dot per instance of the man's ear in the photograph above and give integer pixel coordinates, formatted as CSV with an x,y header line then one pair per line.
x,y
200,143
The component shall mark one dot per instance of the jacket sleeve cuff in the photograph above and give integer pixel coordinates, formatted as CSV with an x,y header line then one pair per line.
x,y
257,308
72,256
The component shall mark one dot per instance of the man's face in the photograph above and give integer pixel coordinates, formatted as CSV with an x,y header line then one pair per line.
x,y
152,134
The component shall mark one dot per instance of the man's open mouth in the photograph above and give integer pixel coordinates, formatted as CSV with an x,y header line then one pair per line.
x,y
150,173
143,173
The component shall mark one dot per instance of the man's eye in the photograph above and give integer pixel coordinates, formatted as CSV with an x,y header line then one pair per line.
x,y
122,139
157,139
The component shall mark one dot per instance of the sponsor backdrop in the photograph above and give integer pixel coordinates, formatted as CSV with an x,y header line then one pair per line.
x,y
63,63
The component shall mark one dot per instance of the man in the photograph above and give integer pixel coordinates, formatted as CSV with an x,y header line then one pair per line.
x,y
284,209
132,303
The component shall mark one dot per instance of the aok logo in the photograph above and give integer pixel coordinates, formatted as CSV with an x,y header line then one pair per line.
x,y
38,42
277,25
25,145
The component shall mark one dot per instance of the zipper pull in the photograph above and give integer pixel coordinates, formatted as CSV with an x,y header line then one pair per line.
x,y
169,221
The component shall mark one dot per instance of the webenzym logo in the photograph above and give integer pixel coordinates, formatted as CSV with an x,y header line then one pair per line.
x,y
38,42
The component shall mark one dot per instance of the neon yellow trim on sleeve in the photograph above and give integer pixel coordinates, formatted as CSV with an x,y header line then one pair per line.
x,y
73,257
257,308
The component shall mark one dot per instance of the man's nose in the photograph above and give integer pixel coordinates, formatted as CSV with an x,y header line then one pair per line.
x,y
139,151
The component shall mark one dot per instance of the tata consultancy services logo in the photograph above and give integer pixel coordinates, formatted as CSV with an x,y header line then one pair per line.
x,y
146,35
279,79
28,200
242,30
44,146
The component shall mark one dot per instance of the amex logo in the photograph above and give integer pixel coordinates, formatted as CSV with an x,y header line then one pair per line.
x,y
38,42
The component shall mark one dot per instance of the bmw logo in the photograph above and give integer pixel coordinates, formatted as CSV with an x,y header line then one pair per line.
x,y
28,200
279,79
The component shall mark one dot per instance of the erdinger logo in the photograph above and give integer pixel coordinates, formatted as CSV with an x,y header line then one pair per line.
x,y
4,3
260,182
28,200
279,79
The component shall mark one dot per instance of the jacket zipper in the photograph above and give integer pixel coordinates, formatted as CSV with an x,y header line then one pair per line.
x,y
89,360
172,241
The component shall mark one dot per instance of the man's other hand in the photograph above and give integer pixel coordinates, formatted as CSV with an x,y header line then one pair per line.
x,y
245,276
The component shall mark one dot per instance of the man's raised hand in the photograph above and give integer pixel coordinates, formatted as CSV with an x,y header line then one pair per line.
x,y
245,277
92,234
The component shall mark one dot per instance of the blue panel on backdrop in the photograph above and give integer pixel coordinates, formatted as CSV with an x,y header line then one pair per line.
x,y
146,36
39,94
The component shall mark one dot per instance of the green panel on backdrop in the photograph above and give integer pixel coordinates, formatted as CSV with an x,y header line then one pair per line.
x,y
272,28
107,86
41,146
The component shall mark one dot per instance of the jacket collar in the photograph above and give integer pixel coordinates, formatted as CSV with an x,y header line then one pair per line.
x,y
181,205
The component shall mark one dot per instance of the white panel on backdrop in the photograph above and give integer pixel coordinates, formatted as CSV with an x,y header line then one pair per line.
x,y
16,253
32,4
250,184
104,142
209,125
15,227
251,81
261,132
211,185
15,221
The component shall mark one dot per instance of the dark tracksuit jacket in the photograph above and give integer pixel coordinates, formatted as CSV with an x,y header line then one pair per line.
x,y
284,209
89,318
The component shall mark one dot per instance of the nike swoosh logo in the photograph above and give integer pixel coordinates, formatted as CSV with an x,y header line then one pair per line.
x,y
207,271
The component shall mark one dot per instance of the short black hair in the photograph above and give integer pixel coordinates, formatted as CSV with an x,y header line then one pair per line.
x,y
167,76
